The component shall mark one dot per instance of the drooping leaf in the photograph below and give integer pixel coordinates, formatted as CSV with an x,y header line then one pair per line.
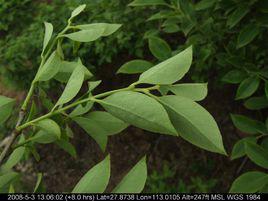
x,y
147,3
257,154
49,126
135,66
96,179
99,125
78,10
67,146
15,156
73,86
256,103
248,125
50,68
249,182
168,71
139,110
86,35
195,91
6,108
135,179
237,16
247,34
48,35
247,87
193,123
159,48
239,147
108,28
38,185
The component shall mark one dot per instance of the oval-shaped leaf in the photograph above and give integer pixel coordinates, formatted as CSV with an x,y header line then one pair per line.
x,y
49,126
195,91
239,148
85,35
108,28
78,10
73,85
48,35
7,178
99,125
248,125
249,182
193,123
234,77
50,68
159,48
247,87
257,154
6,108
96,179
169,71
247,34
135,66
135,179
139,110
256,103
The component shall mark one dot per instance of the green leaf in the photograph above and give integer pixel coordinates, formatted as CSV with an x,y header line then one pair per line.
x,y
15,157
139,110
81,109
234,77
134,181
237,16
50,68
257,154
43,137
249,182
248,125
96,179
48,35
193,123
78,10
85,35
159,48
196,91
247,34
49,126
38,185
239,147
7,178
67,146
108,28
66,69
169,71
73,86
93,84
99,125
247,87
204,4
147,3
135,66
6,108
266,89
256,103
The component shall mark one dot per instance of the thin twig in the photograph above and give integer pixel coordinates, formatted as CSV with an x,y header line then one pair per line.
x,y
12,137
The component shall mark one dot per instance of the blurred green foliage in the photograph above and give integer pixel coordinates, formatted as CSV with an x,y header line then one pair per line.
x,y
167,181
21,33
